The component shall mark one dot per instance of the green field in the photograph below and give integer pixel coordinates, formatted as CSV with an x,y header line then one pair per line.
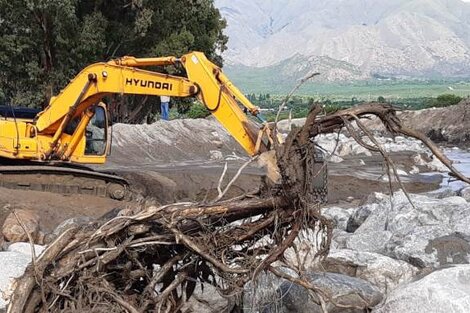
x,y
279,79
365,91
406,94
392,91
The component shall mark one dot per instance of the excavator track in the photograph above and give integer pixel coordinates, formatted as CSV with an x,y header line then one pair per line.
x,y
64,180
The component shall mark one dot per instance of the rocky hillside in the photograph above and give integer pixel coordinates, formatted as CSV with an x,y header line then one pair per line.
x,y
449,125
377,37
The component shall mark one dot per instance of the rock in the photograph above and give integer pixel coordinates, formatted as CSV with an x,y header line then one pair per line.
x,y
465,193
218,143
441,193
415,234
430,246
446,290
25,248
340,216
456,200
72,222
216,155
381,271
431,162
76,222
437,165
414,170
335,159
208,300
271,294
13,265
373,241
400,172
360,150
345,148
339,239
262,295
14,232
359,216
341,289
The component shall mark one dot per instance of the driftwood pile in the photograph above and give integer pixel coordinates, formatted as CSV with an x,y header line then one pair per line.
x,y
152,261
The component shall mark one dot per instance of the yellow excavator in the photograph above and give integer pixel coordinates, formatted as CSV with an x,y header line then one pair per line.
x,y
44,150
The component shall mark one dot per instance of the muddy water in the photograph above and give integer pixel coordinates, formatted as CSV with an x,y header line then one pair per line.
x,y
155,158
355,177
461,159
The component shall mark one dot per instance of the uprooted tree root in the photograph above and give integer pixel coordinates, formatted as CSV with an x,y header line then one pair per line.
x,y
152,261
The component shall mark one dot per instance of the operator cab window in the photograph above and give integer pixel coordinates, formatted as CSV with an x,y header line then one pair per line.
x,y
96,133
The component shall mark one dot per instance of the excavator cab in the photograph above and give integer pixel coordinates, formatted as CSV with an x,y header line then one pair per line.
x,y
88,140
96,133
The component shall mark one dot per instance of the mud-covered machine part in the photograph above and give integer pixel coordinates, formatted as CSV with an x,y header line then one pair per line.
x,y
319,183
64,180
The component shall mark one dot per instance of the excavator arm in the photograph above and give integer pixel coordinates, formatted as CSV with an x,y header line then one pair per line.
x,y
204,80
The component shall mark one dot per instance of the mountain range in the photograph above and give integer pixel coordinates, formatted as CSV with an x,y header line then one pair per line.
x,y
348,39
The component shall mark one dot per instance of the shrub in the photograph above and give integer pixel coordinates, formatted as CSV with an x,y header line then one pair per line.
x,y
197,110
446,100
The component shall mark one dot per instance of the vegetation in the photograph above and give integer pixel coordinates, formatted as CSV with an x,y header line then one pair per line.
x,y
197,110
260,83
299,106
445,100
44,44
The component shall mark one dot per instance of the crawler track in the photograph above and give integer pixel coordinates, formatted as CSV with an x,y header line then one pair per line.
x,y
64,180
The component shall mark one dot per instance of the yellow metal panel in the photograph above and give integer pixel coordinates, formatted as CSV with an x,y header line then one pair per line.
x,y
112,79
220,103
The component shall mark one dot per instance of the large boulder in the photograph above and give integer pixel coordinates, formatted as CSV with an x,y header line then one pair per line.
x,y
339,239
428,233
25,248
442,193
430,246
77,221
339,291
207,300
359,216
340,216
381,271
446,290
13,264
13,231
73,222
465,193
373,241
